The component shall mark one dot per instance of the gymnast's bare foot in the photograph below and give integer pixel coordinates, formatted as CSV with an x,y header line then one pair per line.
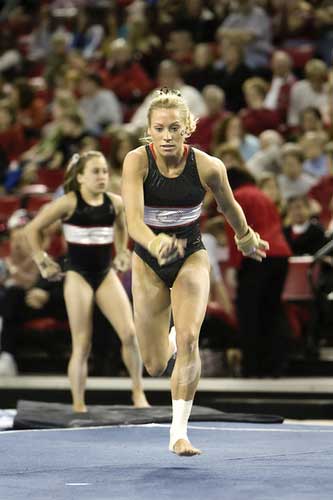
x,y
183,448
139,399
80,408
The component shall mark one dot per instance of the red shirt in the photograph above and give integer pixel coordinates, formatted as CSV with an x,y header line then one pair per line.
x,y
256,121
263,217
129,82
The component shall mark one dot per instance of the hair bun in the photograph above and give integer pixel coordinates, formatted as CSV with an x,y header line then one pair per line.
x,y
165,91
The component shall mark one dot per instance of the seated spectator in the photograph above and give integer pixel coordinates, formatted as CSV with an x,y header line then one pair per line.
x,y
268,158
86,34
249,24
323,189
122,141
124,75
232,131
99,107
145,44
12,139
310,120
304,234
231,73
179,48
230,155
19,274
56,61
197,17
31,110
293,181
311,91
296,33
324,25
202,71
278,95
10,57
269,185
256,117
169,76
316,162
214,100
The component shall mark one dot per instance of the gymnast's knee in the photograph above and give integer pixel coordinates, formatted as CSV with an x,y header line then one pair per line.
x,y
155,368
187,341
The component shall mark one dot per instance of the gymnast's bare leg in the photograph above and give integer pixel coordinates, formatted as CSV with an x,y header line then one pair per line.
x,y
114,304
79,298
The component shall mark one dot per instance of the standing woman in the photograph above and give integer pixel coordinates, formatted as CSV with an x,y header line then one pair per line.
x,y
90,217
164,184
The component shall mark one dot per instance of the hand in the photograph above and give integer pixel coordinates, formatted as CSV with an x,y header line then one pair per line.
x,y
36,298
251,245
48,268
122,261
166,249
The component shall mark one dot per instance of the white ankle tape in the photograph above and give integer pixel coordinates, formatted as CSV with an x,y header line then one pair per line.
x,y
181,411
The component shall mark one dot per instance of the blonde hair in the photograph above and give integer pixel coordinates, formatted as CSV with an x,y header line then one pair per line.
x,y
75,167
166,98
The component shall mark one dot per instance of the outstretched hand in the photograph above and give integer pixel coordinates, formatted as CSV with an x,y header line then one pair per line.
x,y
251,245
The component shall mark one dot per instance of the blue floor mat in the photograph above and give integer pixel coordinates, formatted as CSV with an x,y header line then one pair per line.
x,y
239,461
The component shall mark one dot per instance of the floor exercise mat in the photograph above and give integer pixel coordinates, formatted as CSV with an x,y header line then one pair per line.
x,y
40,415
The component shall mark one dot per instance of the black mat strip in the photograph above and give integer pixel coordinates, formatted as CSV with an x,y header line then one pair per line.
x,y
40,415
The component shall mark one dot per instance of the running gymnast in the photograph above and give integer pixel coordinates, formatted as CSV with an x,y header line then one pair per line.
x,y
163,187
90,216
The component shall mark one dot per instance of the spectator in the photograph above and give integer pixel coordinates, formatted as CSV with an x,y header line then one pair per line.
x,y
10,57
278,95
231,130
315,162
125,76
311,91
293,181
21,274
214,100
57,58
169,76
269,185
259,308
180,47
324,24
202,71
323,189
249,24
31,111
146,45
256,117
99,107
232,72
304,235
268,158
122,142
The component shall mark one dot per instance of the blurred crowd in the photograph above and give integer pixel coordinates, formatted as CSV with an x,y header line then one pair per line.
x,y
79,74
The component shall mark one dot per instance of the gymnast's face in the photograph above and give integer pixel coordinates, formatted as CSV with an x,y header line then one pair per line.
x,y
95,175
167,130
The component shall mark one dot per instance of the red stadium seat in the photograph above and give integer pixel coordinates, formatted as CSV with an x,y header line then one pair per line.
x,y
297,286
35,202
4,249
8,205
51,178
